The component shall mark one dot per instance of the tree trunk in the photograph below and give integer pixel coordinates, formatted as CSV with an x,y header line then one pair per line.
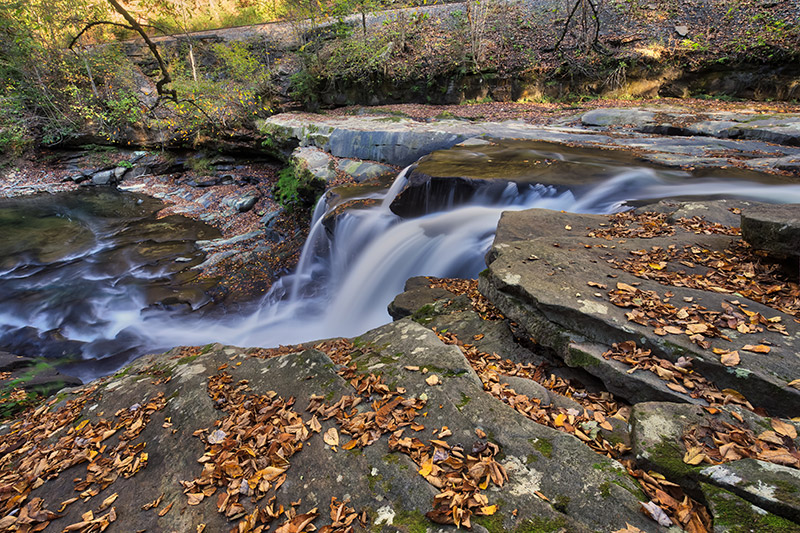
x,y
89,73
191,60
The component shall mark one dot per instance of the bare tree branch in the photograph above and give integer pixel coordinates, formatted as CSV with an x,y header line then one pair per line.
x,y
166,79
92,25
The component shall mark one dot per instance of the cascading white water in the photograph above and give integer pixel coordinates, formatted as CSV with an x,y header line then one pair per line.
x,y
344,282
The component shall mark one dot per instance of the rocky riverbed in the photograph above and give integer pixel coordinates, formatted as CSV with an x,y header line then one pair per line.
x,y
629,372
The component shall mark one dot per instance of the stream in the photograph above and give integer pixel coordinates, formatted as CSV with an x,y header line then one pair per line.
x,y
87,276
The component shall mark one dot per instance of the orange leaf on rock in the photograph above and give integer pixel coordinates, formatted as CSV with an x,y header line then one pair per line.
x,y
759,348
165,510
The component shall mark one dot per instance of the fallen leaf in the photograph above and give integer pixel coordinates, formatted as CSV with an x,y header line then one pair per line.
x,y
488,510
432,380
166,509
656,513
195,498
216,437
331,437
783,428
759,348
730,358
108,501
427,467
694,456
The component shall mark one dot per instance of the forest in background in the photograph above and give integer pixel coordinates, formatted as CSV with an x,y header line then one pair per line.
x,y
73,75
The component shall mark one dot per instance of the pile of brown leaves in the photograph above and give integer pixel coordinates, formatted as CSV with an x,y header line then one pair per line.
x,y
28,459
668,501
586,426
389,413
719,442
695,321
679,376
248,452
628,225
459,474
469,287
737,269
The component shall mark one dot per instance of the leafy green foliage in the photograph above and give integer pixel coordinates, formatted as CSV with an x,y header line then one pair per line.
x,y
297,187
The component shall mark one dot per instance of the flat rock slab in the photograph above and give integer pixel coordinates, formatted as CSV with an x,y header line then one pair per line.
x,y
401,141
775,128
775,488
384,483
618,117
774,228
733,514
539,269
657,430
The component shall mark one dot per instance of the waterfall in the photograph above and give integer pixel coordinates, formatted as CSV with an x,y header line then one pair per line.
x,y
344,282
346,277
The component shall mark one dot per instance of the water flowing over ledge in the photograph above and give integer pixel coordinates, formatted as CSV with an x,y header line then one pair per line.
x,y
345,277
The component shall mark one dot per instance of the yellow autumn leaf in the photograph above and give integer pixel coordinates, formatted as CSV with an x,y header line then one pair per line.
x,y
694,456
488,510
81,425
559,421
427,467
